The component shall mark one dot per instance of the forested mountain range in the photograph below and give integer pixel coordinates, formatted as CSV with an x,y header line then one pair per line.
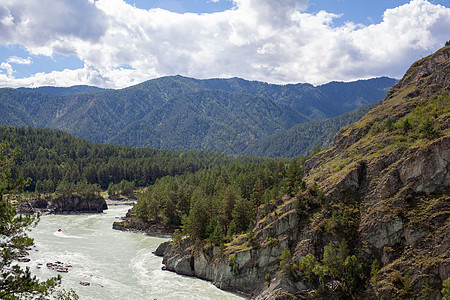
x,y
223,115
304,138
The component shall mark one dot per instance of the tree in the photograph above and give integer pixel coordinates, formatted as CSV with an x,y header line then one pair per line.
x,y
15,282
447,43
286,263
243,213
353,274
446,289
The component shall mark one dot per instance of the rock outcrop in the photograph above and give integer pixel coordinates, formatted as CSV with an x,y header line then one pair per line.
x,y
131,223
384,187
55,204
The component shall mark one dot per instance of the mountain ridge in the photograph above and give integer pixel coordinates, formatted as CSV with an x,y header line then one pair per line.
x,y
168,112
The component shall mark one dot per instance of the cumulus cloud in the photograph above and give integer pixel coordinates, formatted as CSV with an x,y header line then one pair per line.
x,y
8,68
41,25
274,41
275,13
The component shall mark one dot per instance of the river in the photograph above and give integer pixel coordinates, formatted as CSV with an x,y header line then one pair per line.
x,y
118,265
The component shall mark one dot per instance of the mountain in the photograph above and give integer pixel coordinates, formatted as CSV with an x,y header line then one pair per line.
x,y
370,218
224,115
304,138
63,91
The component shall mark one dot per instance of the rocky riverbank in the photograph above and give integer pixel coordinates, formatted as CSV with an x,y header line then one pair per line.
x,y
54,204
133,224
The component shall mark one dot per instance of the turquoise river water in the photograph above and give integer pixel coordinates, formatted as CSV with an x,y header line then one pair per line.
x,y
117,265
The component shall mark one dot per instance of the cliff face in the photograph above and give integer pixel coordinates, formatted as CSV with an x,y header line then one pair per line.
x,y
382,191
58,204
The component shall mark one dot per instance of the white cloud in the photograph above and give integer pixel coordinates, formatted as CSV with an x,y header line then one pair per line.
x,y
19,60
8,68
274,41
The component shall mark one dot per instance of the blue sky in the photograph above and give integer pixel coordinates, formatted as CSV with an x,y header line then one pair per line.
x,y
117,43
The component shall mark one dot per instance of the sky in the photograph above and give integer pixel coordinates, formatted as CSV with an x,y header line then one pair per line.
x,y
119,43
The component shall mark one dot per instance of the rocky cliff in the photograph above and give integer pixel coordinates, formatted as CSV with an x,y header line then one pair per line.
x,y
58,204
371,219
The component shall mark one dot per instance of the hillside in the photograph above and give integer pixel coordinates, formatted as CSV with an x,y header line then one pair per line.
x,y
50,156
303,139
223,115
370,218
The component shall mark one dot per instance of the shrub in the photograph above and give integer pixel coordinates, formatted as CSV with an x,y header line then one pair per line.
x,y
286,263
446,289
428,129
307,266
176,237
374,268
352,274
389,124
273,241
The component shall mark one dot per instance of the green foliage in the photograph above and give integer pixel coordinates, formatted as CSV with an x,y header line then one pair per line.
x,y
217,235
81,189
374,268
122,189
344,219
308,265
405,126
232,261
402,283
429,129
389,125
446,289
272,241
218,202
66,295
232,258
447,43
176,237
286,262
421,122
51,156
426,290
336,264
243,214
195,224
15,282
353,274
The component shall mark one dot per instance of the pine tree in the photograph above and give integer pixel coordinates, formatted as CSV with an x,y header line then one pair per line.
x,y
15,282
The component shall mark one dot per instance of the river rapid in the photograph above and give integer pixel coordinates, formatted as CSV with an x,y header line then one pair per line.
x,y
116,264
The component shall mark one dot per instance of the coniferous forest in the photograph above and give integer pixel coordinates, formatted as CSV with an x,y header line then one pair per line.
x,y
50,156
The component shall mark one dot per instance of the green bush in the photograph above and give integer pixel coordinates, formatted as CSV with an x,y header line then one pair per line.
x,y
286,263
176,237
374,268
446,289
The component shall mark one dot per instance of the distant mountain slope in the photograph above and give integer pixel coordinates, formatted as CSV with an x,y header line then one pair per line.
x,y
319,102
65,91
303,139
176,112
